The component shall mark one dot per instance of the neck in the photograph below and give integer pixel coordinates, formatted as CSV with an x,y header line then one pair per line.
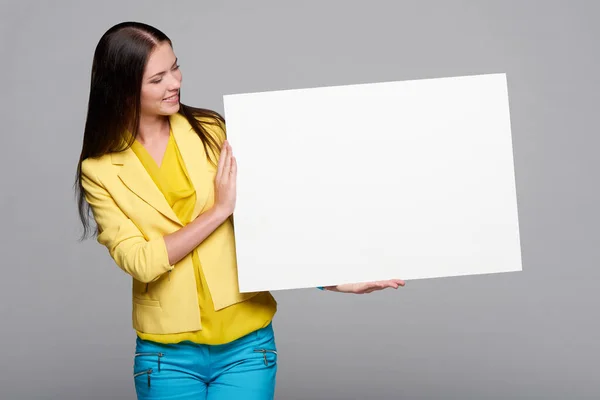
x,y
152,128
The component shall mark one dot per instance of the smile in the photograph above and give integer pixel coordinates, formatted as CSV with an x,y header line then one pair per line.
x,y
172,99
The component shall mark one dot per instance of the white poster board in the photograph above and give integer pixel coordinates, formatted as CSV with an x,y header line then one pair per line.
x,y
406,180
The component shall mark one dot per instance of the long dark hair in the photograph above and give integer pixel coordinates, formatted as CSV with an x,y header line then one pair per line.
x,y
114,103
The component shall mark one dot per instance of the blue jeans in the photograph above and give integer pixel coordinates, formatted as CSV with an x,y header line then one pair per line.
x,y
243,369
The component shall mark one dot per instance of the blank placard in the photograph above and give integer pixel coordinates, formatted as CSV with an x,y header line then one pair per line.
x,y
366,182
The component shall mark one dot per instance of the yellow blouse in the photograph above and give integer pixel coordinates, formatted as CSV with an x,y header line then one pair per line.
x,y
218,327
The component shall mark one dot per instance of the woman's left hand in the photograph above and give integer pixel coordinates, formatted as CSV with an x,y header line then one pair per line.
x,y
366,287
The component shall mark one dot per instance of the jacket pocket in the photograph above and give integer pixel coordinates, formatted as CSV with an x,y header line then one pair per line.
x,y
146,302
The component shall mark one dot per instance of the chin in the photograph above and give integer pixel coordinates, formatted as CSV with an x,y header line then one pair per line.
x,y
171,110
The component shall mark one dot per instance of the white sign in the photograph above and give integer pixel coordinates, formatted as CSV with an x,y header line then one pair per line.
x,y
406,180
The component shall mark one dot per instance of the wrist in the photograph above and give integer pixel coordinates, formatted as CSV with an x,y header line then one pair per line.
x,y
329,288
220,213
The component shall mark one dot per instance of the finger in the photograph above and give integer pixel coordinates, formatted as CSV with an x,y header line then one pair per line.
x,y
222,157
227,166
385,284
233,167
370,287
395,283
232,172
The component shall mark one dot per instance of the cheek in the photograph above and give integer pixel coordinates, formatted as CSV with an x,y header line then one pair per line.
x,y
151,94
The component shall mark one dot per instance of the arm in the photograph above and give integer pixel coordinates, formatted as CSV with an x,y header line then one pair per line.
x,y
181,242
364,287
146,260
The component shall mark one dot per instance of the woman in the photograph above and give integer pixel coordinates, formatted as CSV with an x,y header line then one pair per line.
x,y
160,180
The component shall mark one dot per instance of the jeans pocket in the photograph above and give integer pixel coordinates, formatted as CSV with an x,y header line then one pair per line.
x,y
149,357
148,372
146,363
269,356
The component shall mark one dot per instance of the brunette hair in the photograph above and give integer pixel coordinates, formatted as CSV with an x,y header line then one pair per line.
x,y
114,101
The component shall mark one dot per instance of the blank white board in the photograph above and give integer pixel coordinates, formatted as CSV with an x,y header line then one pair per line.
x,y
407,180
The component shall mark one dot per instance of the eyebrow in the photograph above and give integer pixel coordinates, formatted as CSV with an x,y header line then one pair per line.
x,y
163,72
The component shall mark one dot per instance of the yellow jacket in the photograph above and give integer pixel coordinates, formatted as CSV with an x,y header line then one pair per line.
x,y
133,216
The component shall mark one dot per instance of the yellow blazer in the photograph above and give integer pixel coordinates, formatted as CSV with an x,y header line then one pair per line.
x,y
133,216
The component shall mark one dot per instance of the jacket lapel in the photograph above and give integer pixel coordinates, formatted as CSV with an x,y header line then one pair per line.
x,y
134,176
195,159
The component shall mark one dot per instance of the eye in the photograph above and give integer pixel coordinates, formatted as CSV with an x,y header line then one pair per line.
x,y
175,68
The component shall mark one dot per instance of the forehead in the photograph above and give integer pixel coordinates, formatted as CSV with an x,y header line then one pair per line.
x,y
161,59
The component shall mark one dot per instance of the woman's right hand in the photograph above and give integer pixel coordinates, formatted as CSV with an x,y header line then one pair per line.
x,y
225,181
183,241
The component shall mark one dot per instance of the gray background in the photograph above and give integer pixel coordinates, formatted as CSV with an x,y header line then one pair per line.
x,y
65,310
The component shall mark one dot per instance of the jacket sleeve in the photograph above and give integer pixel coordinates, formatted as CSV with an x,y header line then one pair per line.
x,y
145,260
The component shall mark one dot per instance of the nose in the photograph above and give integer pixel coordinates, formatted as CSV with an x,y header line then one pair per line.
x,y
174,82
174,85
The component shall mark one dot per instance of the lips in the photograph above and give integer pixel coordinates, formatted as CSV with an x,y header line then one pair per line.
x,y
173,98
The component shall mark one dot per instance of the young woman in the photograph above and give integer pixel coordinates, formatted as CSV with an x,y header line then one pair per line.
x,y
160,180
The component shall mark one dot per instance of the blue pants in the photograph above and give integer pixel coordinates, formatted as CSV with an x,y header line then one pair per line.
x,y
243,369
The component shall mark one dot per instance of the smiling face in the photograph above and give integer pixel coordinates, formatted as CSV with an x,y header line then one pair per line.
x,y
161,83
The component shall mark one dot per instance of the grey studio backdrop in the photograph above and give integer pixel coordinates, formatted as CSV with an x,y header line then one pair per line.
x,y
65,310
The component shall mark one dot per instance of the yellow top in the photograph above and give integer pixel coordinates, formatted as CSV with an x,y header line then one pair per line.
x,y
221,326
132,217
